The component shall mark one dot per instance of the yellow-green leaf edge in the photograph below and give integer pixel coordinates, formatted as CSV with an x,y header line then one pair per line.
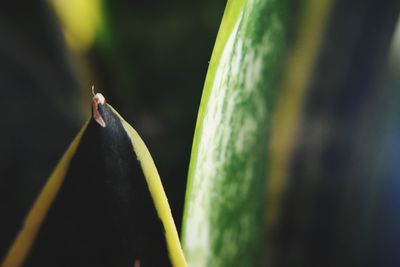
x,y
20,248
157,193
232,12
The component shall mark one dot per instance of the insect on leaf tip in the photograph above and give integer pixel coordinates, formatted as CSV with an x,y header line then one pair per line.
x,y
97,99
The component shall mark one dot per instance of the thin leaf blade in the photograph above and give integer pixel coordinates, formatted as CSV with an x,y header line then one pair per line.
x,y
225,195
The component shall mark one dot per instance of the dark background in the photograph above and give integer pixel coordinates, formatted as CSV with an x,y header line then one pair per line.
x,y
340,204
150,66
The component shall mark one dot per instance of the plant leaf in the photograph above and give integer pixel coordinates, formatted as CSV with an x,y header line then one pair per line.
x,y
225,194
335,182
103,205
21,246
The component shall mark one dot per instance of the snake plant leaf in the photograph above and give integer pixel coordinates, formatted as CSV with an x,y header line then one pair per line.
x,y
40,95
104,204
339,184
223,219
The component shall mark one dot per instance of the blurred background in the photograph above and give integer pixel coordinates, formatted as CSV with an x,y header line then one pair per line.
x,y
148,58
335,197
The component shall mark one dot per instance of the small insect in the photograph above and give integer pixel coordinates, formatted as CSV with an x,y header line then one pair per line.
x,y
103,205
97,99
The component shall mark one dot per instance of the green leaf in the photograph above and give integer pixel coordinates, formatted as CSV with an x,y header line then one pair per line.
x,y
223,219
103,205
296,78
332,186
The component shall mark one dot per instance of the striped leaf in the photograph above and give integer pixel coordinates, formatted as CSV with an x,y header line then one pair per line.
x,y
223,219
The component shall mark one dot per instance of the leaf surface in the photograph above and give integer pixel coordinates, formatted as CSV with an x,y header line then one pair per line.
x,y
103,205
